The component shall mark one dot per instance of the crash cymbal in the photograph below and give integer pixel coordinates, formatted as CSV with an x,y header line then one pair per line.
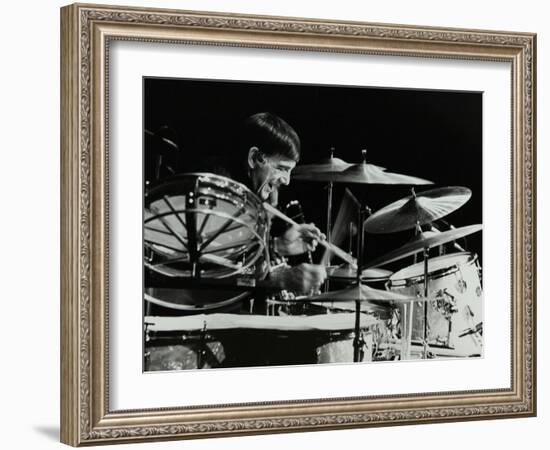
x,y
347,272
423,241
364,173
418,208
361,293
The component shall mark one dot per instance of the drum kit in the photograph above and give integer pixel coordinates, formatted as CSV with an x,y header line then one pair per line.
x,y
205,249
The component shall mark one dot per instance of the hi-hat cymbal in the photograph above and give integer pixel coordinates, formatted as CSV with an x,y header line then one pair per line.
x,y
423,241
361,293
418,208
330,164
347,272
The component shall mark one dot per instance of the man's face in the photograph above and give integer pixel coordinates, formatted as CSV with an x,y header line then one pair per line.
x,y
269,175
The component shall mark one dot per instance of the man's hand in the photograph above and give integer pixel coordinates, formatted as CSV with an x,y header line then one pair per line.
x,y
301,279
298,239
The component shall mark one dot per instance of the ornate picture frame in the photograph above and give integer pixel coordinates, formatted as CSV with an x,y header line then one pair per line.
x,y
87,31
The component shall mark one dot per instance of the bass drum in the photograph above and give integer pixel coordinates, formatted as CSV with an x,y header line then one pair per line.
x,y
455,316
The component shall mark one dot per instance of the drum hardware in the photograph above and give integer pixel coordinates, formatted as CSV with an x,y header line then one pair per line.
x,y
478,329
358,342
201,351
147,338
417,209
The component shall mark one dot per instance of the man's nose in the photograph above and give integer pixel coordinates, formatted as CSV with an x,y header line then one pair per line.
x,y
285,179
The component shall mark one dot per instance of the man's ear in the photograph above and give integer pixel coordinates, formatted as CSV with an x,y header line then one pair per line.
x,y
255,157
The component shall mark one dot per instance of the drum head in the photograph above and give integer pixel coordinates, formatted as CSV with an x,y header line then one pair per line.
x,y
194,300
203,225
435,266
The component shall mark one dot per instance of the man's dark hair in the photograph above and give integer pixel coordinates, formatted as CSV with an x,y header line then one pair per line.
x,y
271,134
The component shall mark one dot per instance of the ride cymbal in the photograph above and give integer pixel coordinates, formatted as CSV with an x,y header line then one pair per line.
x,y
417,209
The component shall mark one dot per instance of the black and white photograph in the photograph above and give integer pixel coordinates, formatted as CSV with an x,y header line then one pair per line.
x,y
297,224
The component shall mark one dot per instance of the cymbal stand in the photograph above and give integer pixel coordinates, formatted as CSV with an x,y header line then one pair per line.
x,y
426,347
358,341
330,187
202,346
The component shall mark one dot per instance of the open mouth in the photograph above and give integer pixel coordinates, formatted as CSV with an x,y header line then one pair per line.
x,y
266,190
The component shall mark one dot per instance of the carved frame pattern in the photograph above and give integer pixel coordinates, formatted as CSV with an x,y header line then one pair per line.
x,y
86,33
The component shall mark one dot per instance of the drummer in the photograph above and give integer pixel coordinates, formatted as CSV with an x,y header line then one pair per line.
x,y
267,150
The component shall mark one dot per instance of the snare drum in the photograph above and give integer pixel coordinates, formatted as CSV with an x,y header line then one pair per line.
x,y
455,315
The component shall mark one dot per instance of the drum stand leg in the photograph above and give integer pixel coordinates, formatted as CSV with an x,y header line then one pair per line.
x,y
191,226
201,351
406,311
426,349
358,341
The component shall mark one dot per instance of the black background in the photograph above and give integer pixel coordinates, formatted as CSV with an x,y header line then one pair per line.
x,y
436,135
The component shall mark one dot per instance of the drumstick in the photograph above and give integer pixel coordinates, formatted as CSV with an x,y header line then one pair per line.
x,y
333,248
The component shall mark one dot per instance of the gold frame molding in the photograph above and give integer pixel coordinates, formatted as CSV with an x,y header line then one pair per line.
x,y
86,31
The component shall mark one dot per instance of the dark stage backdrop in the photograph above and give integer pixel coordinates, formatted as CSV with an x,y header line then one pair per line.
x,y
435,135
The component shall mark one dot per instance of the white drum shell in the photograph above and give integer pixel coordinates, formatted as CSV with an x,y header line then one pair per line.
x,y
455,316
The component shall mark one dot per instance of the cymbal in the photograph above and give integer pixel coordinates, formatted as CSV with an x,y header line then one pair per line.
x,y
422,241
382,309
361,293
330,164
418,208
363,173
347,272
